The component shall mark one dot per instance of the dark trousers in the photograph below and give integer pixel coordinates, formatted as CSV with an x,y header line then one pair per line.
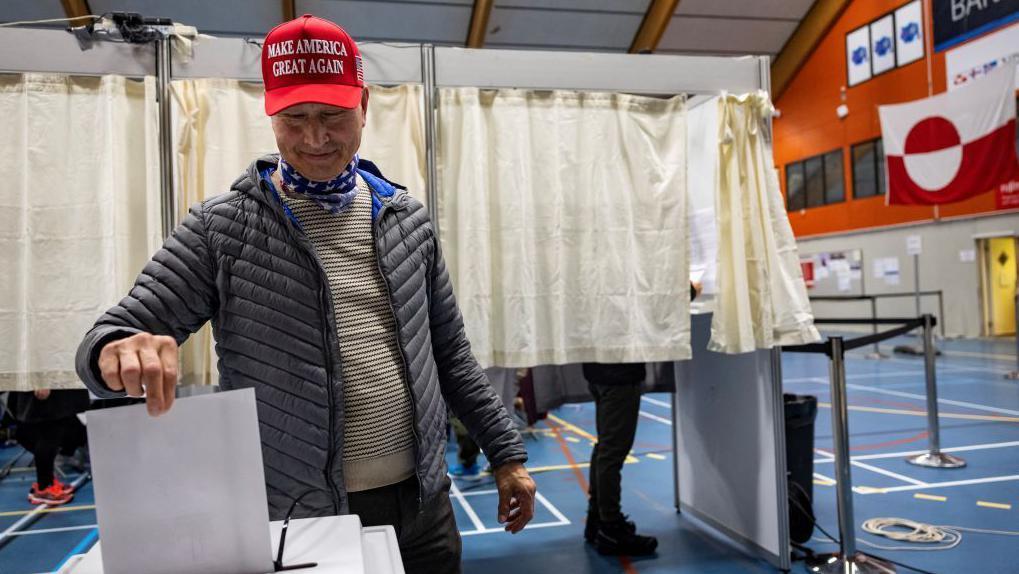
x,y
617,408
467,450
47,439
428,537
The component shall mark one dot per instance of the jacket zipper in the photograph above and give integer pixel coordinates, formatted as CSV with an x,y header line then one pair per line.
x,y
326,312
406,371
326,349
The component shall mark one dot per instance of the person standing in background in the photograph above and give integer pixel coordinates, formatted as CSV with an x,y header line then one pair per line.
x,y
616,388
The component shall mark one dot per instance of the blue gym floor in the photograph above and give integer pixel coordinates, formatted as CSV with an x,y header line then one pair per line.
x,y
979,422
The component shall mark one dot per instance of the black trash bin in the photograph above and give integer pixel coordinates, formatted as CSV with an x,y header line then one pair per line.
x,y
800,413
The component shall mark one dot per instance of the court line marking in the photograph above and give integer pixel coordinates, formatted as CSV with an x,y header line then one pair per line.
x,y
933,497
822,479
866,388
479,528
965,404
656,402
478,525
875,469
990,418
630,459
657,418
997,505
48,510
655,456
888,473
985,446
53,530
572,427
1009,478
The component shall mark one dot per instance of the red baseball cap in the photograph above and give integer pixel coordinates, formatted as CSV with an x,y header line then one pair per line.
x,y
310,60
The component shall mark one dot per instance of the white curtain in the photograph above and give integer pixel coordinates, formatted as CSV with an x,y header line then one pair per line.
x,y
762,300
702,194
79,214
221,127
563,220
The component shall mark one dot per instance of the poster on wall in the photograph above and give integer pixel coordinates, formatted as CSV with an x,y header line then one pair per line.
x,y
975,59
858,55
807,266
882,44
956,21
909,42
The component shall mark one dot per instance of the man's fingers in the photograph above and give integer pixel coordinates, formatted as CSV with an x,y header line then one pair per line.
x,y
152,378
504,505
168,358
109,367
524,512
130,371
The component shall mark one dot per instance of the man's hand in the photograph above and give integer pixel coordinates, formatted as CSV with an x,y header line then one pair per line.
x,y
516,496
143,365
42,394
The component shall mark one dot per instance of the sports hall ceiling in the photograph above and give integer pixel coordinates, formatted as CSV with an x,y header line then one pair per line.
x,y
722,27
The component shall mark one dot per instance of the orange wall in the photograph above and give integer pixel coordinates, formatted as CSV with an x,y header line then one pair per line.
x,y
808,125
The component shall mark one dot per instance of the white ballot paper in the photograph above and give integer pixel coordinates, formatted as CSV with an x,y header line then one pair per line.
x,y
182,493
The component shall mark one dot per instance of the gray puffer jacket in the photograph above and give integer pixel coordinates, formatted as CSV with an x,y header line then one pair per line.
x,y
238,260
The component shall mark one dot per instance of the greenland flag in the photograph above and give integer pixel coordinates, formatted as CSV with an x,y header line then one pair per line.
x,y
952,146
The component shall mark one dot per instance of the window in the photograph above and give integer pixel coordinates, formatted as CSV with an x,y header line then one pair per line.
x,y
868,169
796,199
815,181
813,170
834,188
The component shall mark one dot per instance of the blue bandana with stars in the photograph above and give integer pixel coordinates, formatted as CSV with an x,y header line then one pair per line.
x,y
333,196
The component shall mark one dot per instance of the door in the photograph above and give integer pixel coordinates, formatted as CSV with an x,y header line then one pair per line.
x,y
999,276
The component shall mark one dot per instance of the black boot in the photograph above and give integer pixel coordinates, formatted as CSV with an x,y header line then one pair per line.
x,y
593,522
620,538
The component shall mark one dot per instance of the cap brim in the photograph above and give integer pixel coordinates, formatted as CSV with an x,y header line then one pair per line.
x,y
331,94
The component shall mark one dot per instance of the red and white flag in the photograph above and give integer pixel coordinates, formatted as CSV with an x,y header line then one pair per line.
x,y
951,146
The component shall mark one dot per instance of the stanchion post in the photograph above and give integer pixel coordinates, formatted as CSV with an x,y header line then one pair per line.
x,y
847,560
876,354
941,312
934,457
168,198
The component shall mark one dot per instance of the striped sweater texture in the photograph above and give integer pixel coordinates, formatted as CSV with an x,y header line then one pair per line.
x,y
378,446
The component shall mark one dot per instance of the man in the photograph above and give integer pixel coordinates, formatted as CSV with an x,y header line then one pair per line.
x,y
616,388
328,295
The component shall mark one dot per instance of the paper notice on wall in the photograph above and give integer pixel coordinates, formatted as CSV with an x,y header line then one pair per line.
x,y
878,266
891,270
821,272
856,269
968,255
914,245
839,266
845,282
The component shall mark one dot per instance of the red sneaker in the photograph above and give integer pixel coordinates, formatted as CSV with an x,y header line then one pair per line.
x,y
50,496
65,488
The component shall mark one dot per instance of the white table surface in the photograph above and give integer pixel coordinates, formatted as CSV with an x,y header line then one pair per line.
x,y
320,540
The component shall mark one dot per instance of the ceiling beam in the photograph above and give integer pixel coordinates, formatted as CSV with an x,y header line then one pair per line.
x,y
289,10
76,9
479,23
812,29
656,20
